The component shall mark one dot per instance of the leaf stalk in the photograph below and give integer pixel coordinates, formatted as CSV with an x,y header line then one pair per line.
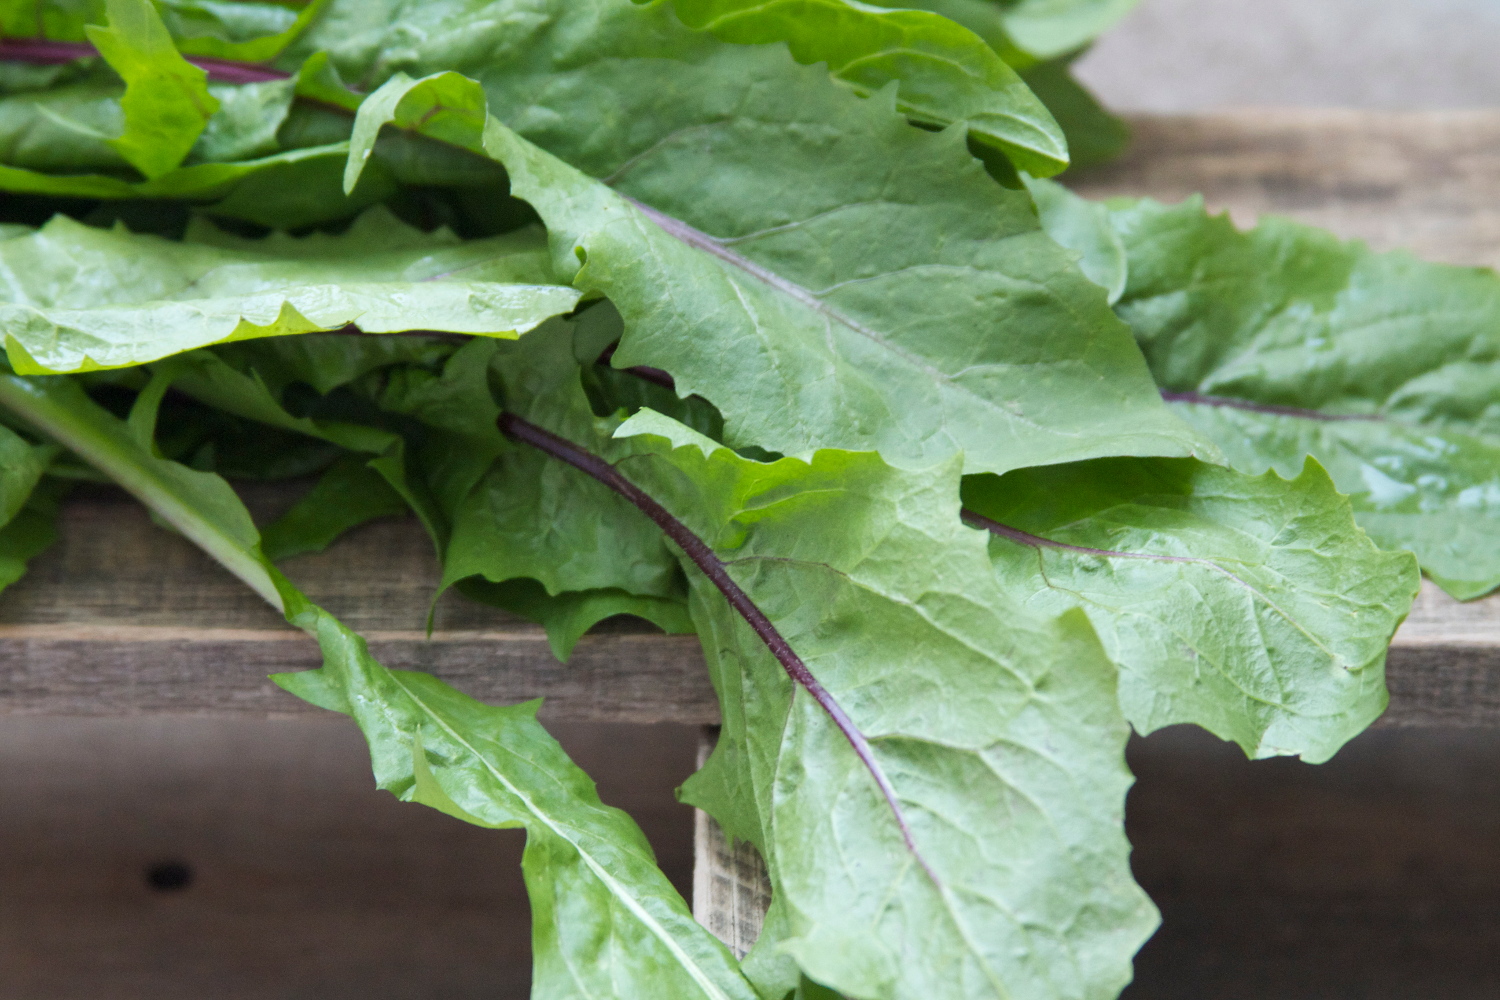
x,y
717,573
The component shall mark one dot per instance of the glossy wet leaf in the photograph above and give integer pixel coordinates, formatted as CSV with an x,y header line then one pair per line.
x,y
1251,606
78,298
1387,367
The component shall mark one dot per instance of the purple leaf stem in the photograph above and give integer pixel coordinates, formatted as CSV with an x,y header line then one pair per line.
x,y
44,50
974,520
714,569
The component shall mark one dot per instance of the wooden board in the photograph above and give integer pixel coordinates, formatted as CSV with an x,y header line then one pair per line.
x,y
307,883
1427,181
123,618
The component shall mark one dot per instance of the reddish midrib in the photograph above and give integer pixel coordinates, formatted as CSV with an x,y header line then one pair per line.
x,y
45,50
717,573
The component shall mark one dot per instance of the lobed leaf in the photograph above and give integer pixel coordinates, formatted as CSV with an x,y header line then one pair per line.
x,y
1283,342
998,868
813,315
79,298
1251,606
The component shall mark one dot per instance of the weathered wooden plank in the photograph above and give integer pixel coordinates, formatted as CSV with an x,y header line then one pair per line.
x,y
731,890
1428,181
124,618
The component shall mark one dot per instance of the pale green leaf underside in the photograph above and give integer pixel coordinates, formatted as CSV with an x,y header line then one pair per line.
x,y
1000,733
77,298
1288,316
1251,606
814,315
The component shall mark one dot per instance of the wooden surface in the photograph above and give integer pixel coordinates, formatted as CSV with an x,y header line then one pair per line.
x,y
1427,181
1372,877
123,618
731,890
308,883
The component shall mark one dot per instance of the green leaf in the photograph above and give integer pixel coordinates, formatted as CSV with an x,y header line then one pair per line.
x,y
239,31
1051,28
166,102
1027,31
31,531
944,72
80,299
530,516
349,494
1083,226
200,505
21,468
568,615
27,512
1252,606
817,312
1094,135
1000,734
1283,342
247,121
605,920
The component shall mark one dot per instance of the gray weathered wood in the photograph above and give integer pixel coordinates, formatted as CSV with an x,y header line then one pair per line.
x,y
123,618
731,891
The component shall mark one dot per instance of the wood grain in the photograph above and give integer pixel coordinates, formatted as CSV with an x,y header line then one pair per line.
x,y
1427,181
123,618
308,883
